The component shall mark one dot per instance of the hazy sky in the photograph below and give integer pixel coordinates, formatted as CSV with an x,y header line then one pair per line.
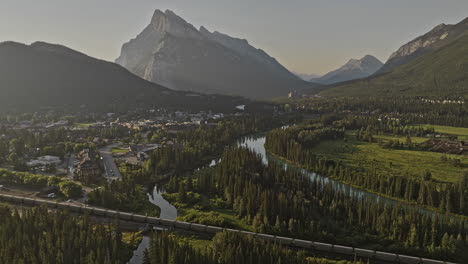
x,y
309,36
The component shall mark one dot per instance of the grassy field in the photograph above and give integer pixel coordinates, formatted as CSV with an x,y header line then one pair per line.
x,y
416,140
460,132
119,150
231,218
389,161
210,211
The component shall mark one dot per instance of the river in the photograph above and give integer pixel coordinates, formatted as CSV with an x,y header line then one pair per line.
x,y
168,211
256,143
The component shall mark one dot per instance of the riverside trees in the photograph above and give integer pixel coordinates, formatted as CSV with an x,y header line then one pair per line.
x,y
290,144
287,202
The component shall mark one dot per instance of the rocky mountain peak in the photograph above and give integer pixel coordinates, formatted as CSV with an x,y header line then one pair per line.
x,y
169,23
353,61
438,27
353,69
167,15
204,31
439,36
172,52
371,61
173,16
369,58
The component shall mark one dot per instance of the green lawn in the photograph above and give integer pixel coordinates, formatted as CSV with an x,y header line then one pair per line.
x,y
119,150
388,161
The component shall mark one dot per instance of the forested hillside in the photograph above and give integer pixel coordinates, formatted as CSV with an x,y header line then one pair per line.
x,y
443,72
45,76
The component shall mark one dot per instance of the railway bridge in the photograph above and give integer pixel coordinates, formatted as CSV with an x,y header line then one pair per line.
x,y
377,256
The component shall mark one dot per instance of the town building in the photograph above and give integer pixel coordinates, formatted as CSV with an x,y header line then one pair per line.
x,y
44,161
88,168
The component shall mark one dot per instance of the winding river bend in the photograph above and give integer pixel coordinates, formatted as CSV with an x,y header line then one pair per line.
x,y
256,143
168,211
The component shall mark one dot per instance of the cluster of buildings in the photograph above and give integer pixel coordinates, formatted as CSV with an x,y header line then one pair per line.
x,y
88,168
176,121
446,101
137,153
44,162
447,146
26,124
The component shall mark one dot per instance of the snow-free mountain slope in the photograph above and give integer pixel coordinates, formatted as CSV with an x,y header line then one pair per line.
x,y
173,53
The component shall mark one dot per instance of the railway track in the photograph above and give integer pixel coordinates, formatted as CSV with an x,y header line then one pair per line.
x,y
377,256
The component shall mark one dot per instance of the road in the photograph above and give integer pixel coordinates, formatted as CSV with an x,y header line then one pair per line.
x,y
111,170
71,165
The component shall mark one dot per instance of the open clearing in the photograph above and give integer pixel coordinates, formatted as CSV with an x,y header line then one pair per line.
x,y
403,162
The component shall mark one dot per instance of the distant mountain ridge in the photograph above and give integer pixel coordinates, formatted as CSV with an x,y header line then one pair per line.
x,y
43,75
353,69
173,53
307,76
438,37
441,73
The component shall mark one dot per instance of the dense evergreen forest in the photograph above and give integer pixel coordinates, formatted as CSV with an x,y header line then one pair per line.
x,y
228,248
415,110
286,202
124,195
296,144
195,148
198,147
35,236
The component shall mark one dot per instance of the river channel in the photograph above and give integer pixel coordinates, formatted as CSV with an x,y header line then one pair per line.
x,y
168,211
256,143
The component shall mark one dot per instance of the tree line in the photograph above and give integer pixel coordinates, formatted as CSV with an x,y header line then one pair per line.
x,y
36,236
68,188
289,203
289,143
196,148
416,110
228,248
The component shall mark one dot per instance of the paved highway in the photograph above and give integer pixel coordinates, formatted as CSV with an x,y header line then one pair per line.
x,y
111,170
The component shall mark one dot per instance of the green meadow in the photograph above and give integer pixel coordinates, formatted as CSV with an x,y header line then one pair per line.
x,y
399,162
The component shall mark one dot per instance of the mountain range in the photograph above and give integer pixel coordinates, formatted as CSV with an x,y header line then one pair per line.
x,y
175,54
43,75
172,53
435,39
435,64
306,76
353,69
